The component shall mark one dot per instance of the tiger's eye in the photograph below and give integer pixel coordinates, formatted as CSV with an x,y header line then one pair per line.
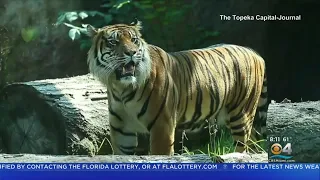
x,y
134,40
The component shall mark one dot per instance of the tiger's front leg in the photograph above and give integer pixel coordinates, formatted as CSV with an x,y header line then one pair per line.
x,y
162,136
123,141
162,128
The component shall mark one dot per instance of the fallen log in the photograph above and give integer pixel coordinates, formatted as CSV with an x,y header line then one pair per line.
x,y
199,158
102,158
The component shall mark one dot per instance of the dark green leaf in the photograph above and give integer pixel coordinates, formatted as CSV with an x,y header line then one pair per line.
x,y
74,34
100,13
83,15
92,13
61,18
71,16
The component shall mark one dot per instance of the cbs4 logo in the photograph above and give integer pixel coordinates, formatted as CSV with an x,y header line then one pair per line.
x,y
276,149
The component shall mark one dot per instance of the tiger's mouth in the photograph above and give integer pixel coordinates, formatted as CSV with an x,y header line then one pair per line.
x,y
126,70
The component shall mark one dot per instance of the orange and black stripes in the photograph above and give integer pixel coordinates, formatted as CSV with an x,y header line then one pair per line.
x,y
179,90
231,74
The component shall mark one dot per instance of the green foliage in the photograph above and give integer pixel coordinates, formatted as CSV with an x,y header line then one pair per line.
x,y
170,24
29,34
223,144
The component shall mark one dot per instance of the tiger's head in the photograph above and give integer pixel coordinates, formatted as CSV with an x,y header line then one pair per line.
x,y
119,55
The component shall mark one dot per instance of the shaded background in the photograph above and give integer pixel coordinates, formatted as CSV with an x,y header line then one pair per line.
x,y
35,44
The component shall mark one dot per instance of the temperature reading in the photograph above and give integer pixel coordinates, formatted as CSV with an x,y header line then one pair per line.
x,y
286,139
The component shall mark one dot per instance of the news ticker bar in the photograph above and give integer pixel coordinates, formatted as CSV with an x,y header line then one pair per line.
x,y
156,166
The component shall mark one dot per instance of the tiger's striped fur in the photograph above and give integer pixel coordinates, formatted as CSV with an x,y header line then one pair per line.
x,y
153,91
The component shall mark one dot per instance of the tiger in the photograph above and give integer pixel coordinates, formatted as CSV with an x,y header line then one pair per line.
x,y
151,91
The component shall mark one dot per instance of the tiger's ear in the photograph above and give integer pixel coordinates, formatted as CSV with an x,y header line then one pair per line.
x,y
91,31
137,24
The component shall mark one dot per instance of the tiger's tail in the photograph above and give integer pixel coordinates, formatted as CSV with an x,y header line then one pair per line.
x,y
260,120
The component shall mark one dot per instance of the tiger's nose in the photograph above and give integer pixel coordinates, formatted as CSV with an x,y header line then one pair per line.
x,y
130,52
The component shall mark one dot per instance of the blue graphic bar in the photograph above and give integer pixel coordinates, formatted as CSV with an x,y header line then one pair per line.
x,y
157,170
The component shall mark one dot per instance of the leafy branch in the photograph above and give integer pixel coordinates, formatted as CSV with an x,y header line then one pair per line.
x,y
166,23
